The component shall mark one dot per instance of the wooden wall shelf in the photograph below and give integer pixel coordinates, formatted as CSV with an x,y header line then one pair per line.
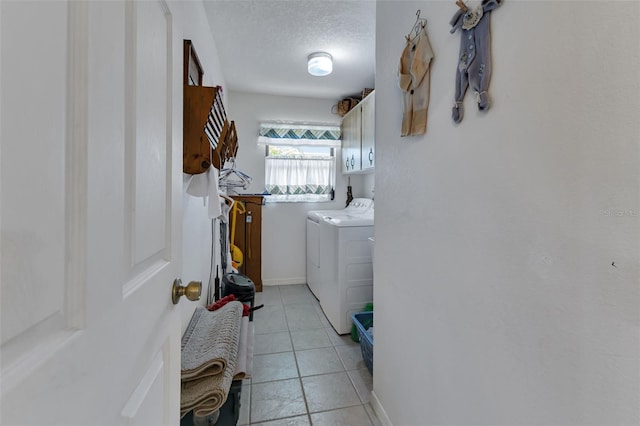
x,y
197,135
208,137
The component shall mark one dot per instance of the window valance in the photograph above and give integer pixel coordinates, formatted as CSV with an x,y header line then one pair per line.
x,y
298,134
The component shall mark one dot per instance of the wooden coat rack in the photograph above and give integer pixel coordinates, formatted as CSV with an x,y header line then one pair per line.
x,y
208,137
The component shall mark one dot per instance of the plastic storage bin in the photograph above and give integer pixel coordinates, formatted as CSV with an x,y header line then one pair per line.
x,y
363,321
354,330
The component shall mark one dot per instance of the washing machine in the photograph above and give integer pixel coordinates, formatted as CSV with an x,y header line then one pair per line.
x,y
345,273
315,240
313,249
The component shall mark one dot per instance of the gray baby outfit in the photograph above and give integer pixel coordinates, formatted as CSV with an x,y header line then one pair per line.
x,y
474,64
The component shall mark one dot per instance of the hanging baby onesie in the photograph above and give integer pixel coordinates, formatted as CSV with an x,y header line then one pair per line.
x,y
413,73
474,64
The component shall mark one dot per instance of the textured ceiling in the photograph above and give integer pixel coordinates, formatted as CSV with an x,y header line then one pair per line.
x,y
263,45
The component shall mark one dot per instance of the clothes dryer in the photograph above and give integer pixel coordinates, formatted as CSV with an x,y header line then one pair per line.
x,y
346,269
316,240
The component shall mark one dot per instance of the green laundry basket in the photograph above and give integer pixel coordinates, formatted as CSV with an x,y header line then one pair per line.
x,y
354,330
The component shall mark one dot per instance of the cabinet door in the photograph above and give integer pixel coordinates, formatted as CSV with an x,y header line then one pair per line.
x,y
248,237
253,243
368,132
351,127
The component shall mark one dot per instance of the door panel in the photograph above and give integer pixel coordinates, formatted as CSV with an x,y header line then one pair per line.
x,y
150,137
89,213
148,140
34,251
149,394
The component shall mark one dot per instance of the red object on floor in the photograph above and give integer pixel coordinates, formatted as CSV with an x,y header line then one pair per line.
x,y
230,298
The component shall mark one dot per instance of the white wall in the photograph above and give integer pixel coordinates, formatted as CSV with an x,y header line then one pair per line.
x,y
283,224
191,24
507,247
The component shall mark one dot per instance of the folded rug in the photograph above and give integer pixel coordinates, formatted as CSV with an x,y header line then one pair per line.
x,y
210,342
241,362
249,371
206,395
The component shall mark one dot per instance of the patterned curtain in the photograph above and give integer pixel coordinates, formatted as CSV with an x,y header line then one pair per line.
x,y
299,134
299,179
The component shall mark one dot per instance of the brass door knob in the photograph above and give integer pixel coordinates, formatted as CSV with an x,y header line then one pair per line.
x,y
191,290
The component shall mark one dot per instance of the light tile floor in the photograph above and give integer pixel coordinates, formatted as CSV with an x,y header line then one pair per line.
x,y
304,373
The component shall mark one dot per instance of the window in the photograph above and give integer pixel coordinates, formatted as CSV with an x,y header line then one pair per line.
x,y
299,173
300,163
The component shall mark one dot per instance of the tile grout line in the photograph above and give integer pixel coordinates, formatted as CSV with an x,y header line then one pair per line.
x,y
342,363
304,395
333,343
251,386
297,368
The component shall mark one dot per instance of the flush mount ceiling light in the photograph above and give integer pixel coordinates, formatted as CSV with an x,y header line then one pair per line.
x,y
320,63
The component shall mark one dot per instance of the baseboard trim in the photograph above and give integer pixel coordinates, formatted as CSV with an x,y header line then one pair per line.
x,y
379,410
284,281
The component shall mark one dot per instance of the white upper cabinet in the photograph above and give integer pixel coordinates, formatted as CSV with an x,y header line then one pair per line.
x,y
351,130
358,137
368,132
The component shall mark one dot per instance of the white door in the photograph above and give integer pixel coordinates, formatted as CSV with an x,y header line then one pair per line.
x,y
90,213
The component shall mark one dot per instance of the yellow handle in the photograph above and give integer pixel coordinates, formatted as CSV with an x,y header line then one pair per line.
x,y
236,253
248,248
233,224
235,212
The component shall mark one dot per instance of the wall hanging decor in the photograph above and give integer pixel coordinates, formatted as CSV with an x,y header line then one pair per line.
x,y
474,63
414,79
